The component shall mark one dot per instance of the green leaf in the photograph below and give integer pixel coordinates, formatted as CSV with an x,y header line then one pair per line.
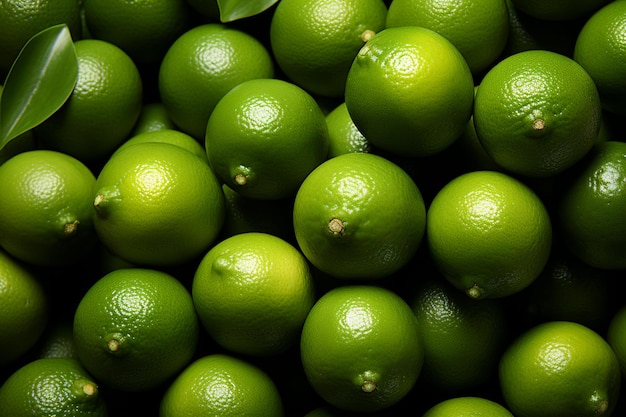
x,y
238,9
41,79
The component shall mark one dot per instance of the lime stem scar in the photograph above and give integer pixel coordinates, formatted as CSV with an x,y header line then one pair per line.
x,y
113,345
335,226
474,292
70,228
241,179
367,35
539,124
89,389
368,386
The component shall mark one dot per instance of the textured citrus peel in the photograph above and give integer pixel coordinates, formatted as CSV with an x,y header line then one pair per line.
x,y
336,226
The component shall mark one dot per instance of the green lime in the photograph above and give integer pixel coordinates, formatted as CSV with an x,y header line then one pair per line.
x,y
46,216
537,113
315,41
560,368
410,91
135,328
222,385
360,348
488,233
157,204
46,387
264,137
467,407
252,292
477,28
591,206
202,65
24,309
359,215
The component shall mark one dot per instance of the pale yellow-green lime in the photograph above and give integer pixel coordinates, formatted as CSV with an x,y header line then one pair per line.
x,y
222,385
24,309
488,233
360,216
252,292
157,204
560,368
136,328
264,137
360,348
47,387
46,216
410,91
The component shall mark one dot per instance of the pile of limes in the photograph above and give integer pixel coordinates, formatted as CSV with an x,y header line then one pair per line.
x,y
314,208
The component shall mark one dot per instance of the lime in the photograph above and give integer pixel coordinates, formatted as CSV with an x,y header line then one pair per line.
x,y
202,65
103,107
488,233
359,215
462,338
143,29
591,206
46,217
157,204
600,49
222,385
410,91
24,309
264,137
537,113
252,292
315,41
46,387
560,368
477,28
360,348
467,407
135,328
